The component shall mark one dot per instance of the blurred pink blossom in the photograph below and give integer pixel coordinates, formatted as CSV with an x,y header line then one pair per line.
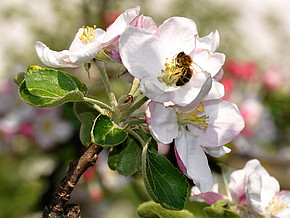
x,y
246,70
272,78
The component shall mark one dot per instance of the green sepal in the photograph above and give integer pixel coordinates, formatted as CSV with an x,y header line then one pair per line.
x,y
104,55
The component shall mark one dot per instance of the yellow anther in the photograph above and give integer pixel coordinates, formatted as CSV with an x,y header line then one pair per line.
x,y
193,118
275,206
88,34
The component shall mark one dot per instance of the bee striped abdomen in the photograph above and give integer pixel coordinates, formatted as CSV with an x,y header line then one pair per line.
x,y
184,77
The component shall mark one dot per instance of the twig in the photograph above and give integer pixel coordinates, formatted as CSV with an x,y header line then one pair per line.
x,y
58,207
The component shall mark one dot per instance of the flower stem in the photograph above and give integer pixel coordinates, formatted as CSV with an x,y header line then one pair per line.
x,y
101,66
136,136
98,105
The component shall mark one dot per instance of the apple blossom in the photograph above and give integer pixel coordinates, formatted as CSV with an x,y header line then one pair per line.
x,y
88,42
201,127
84,47
50,128
151,57
254,185
253,191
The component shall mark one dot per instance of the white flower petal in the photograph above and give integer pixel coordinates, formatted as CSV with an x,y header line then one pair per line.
x,y
210,42
194,159
253,191
84,54
218,151
52,58
197,87
224,123
120,24
177,34
260,191
163,124
217,91
152,88
140,53
208,61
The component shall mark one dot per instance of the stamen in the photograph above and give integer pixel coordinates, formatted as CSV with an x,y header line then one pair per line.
x,y
88,34
275,206
193,118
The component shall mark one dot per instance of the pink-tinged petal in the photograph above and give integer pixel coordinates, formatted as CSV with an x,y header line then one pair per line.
x,y
177,34
197,87
210,42
219,75
194,159
208,61
149,24
120,24
218,151
237,186
209,197
224,123
140,53
152,88
52,58
163,123
181,166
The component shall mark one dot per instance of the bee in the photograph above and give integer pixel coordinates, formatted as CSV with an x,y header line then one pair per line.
x,y
184,62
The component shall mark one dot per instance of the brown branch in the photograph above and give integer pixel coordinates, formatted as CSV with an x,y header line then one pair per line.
x,y
57,207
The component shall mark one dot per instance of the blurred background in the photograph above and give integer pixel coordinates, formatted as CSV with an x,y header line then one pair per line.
x,y
36,145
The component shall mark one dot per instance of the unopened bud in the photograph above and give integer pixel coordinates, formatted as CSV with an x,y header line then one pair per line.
x,y
125,101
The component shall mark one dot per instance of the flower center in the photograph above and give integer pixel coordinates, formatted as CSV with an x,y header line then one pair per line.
x,y
275,206
88,34
170,73
194,117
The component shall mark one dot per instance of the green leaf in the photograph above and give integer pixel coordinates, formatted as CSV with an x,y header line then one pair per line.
x,y
106,133
126,157
151,209
49,88
164,183
86,114
219,210
18,79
